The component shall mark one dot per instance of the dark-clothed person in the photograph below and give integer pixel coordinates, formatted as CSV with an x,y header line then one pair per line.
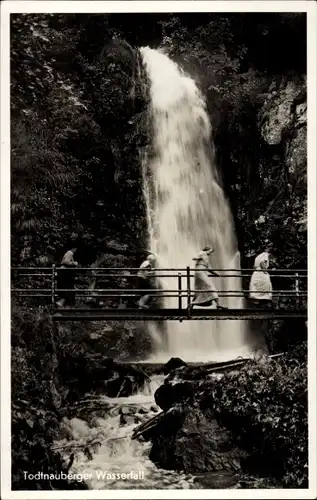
x,y
66,278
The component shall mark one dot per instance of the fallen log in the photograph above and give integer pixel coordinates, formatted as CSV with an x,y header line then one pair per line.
x,y
175,411
76,445
149,424
235,364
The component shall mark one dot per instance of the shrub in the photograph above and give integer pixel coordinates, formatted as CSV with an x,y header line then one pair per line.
x,y
36,402
265,407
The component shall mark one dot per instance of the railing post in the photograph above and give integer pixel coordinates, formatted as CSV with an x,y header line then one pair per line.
x,y
297,288
180,291
188,286
53,284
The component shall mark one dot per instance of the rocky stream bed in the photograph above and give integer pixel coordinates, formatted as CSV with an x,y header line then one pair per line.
x,y
150,426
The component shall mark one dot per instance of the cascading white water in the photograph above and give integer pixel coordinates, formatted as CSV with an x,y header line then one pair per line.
x,y
187,208
113,452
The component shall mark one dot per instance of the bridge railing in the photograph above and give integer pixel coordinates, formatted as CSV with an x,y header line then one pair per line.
x,y
42,283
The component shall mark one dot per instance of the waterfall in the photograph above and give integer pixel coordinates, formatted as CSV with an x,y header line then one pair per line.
x,y
187,208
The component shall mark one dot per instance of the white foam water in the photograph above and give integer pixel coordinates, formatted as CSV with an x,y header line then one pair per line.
x,y
115,453
187,210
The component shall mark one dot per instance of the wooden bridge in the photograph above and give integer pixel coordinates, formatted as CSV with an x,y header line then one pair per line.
x,y
111,294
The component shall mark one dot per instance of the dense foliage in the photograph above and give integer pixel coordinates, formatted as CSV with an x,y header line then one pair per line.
x,y
78,126
265,406
76,134
37,400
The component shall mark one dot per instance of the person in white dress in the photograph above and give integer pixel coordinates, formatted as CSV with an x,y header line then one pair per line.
x,y
260,288
204,284
260,295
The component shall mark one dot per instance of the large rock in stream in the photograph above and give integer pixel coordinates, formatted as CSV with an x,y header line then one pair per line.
x,y
199,444
173,364
187,383
195,441
167,395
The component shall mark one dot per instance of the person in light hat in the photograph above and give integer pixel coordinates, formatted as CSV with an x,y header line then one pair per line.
x,y
260,295
204,281
66,278
260,289
146,280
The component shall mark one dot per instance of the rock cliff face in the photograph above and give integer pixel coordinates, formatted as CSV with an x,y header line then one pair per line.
x,y
284,121
283,107
274,165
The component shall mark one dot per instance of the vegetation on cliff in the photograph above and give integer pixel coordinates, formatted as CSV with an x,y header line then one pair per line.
x,y
251,420
266,407
37,401
77,130
79,125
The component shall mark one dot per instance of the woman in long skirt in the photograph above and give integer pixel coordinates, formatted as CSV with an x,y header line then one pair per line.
x,y
206,290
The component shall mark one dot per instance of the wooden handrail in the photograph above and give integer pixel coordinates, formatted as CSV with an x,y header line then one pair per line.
x,y
15,268
188,273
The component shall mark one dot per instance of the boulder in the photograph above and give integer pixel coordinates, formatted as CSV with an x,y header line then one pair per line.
x,y
167,395
112,385
216,480
127,419
143,410
155,408
199,444
119,380
173,364
127,410
203,445
65,430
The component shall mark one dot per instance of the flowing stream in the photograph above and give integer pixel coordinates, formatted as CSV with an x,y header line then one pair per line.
x,y
112,452
187,210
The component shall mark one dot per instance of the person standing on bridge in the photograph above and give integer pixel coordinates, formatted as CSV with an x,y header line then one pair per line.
x,y
260,296
66,278
206,291
146,280
260,284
